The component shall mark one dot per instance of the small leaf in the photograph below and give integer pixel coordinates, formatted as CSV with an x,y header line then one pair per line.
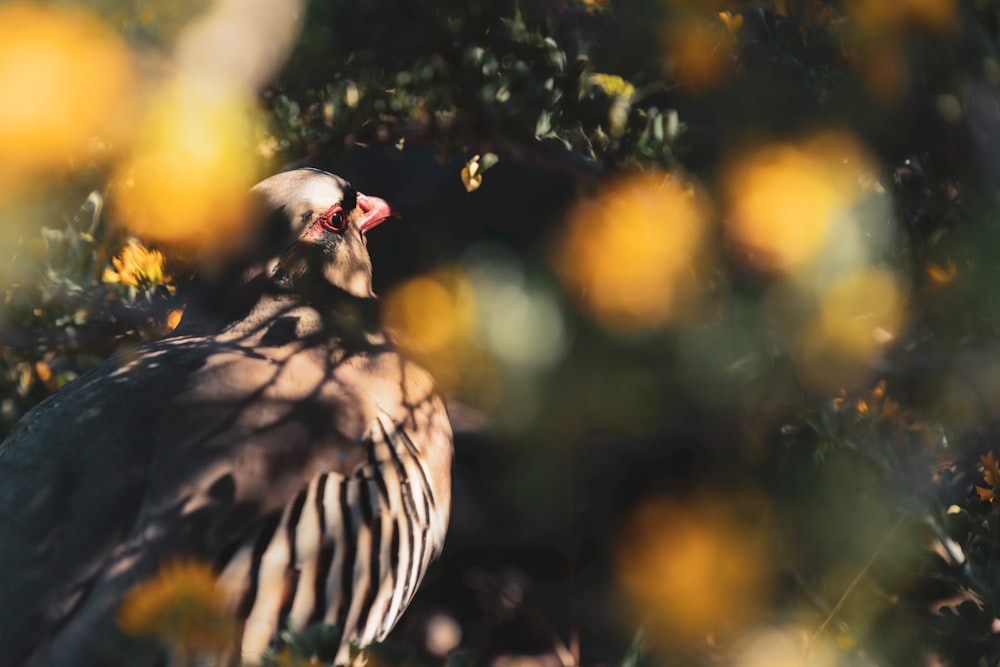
x,y
472,176
488,160
544,124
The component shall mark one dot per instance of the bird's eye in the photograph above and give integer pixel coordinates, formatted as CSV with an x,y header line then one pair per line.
x,y
333,219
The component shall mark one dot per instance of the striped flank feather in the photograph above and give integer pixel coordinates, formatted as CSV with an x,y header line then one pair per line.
x,y
348,551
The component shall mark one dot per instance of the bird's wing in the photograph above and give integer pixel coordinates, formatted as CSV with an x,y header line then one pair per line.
x,y
171,449
271,461
349,551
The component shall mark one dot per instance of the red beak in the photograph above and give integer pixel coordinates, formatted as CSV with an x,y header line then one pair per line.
x,y
376,210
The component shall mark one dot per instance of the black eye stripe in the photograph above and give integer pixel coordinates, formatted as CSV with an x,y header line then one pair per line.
x,y
349,200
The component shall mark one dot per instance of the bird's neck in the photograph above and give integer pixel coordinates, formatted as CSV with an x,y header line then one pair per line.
x,y
240,308
278,315
323,273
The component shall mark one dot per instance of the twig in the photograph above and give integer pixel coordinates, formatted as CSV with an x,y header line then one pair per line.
x,y
463,130
821,604
854,584
574,633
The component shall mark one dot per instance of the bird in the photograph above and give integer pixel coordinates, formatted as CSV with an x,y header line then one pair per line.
x,y
277,434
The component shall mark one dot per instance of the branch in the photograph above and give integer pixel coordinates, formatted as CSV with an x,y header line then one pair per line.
x,y
462,130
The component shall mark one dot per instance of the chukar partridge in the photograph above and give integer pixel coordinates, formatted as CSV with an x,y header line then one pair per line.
x,y
276,435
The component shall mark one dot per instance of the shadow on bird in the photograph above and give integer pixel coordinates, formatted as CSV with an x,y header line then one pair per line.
x,y
276,436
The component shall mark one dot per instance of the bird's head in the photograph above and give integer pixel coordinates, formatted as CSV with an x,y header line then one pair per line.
x,y
319,222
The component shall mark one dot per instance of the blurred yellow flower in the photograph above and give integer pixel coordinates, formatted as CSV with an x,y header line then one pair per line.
x,y
693,569
859,316
781,199
180,605
862,312
884,70
881,19
137,266
883,29
432,317
431,312
632,253
186,184
790,647
612,84
66,82
698,52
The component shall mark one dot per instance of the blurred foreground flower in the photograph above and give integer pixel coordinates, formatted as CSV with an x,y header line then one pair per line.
x,y
181,605
785,647
782,199
518,322
859,316
881,20
186,184
699,51
632,253
66,83
483,329
432,317
696,568
431,312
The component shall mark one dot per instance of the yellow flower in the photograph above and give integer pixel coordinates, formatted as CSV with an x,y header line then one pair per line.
x,y
54,59
181,605
612,84
137,266
692,569
633,252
